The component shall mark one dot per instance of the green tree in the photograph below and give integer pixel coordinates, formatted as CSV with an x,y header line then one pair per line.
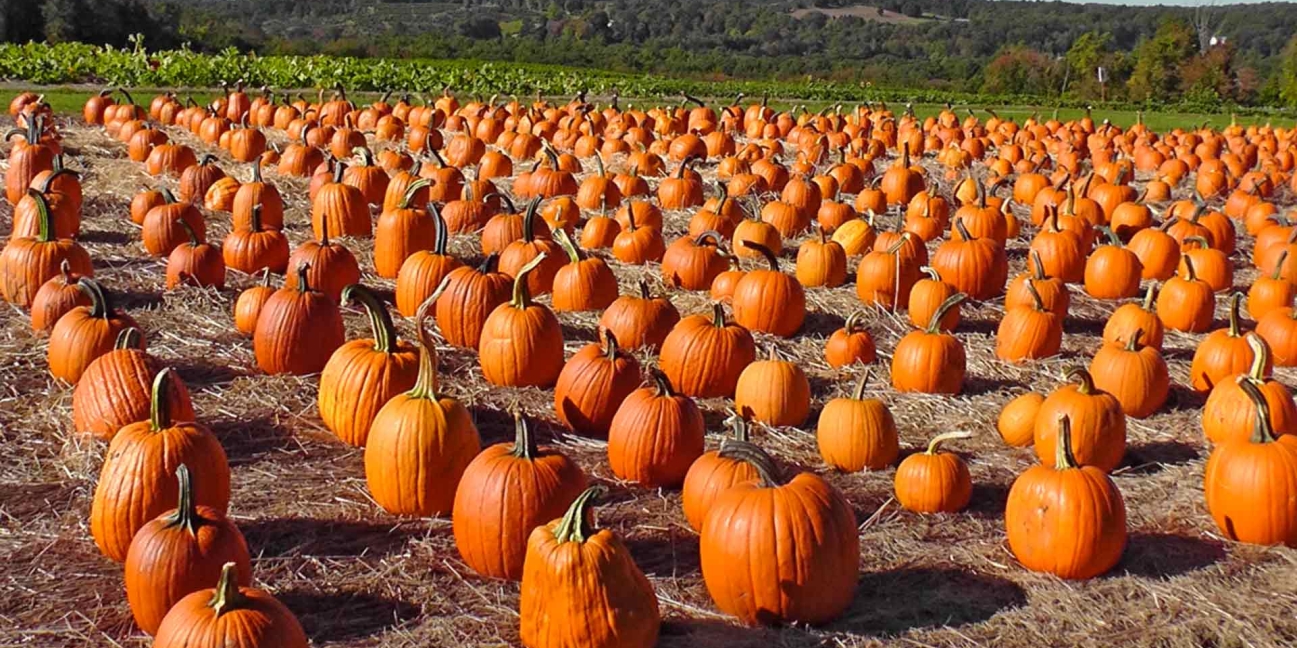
x,y
1087,53
1157,62
1288,73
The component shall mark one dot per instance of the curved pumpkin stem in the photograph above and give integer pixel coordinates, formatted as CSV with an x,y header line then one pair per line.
x,y
380,321
529,220
1035,296
1150,296
189,231
524,444
521,293
765,252
1133,343
1113,240
1085,383
644,292
44,220
1235,302
609,345
569,246
1263,430
663,384
931,272
934,324
963,231
1190,273
935,444
186,514
1063,457
365,155
713,235
859,392
1260,357
303,278
100,305
159,403
1038,267
425,385
853,325
753,455
227,595
54,175
129,338
411,190
338,170
576,525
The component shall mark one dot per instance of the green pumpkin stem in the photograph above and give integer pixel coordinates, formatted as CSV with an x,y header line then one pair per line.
x,y
1235,302
1036,300
529,220
44,219
853,324
160,401
718,315
1260,357
568,245
859,392
765,252
1263,429
521,292
189,231
380,321
753,455
411,190
1085,383
1037,267
227,595
425,385
1111,236
186,513
1150,296
576,525
953,301
524,444
1063,457
1133,343
129,338
303,278
1190,273
935,444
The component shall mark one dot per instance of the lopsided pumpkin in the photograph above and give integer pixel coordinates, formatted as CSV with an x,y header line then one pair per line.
x,y
116,389
592,386
298,329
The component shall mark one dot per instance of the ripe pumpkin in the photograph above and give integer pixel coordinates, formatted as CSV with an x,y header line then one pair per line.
x,y
821,262
1186,303
466,297
1017,421
116,389
1229,413
249,304
56,297
934,481
1270,292
926,296
1097,423
1064,517
584,283
640,321
592,386
974,266
850,344
340,208
195,262
693,263
424,270
805,525
1051,291
857,433
1135,374
178,553
704,356
85,333
363,374
930,360
655,436
586,577
532,243
711,474
26,263
1223,353
1028,332
162,232
135,482
298,329
521,341
419,443
230,616
773,391
1135,316
1112,271
1278,328
256,247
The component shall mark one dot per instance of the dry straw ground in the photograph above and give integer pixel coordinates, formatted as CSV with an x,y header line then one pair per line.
x,y
357,577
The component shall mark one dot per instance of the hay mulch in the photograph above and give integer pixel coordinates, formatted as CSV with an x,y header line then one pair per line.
x,y
357,577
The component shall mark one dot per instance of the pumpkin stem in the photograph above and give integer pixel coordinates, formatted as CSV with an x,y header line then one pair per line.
x,y
160,403
936,441
609,344
303,278
565,242
934,324
521,293
853,324
753,455
1235,301
1063,457
524,444
1278,265
1085,383
765,252
129,338
189,231
1035,296
931,272
1190,273
1150,296
44,220
709,234
859,392
1111,236
644,292
227,596
54,175
100,306
380,321
1038,267
186,513
718,315
1260,357
529,220
963,231
338,170
1263,430
1133,343
411,190
662,383
366,156
576,525
425,385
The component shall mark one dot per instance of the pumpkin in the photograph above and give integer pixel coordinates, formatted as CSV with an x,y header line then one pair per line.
x,y
198,178
1112,271
703,356
821,262
298,329
340,208
61,188
468,298
1229,413
1223,353
1279,329
1135,374
584,283
1158,252
1135,316
682,190
901,181
769,301
56,297
529,246
369,178
249,304
930,360
424,270
362,375
143,201
230,616
586,577
711,474
135,482
857,235
850,344
521,342
1025,289
1212,266
974,266
195,263
636,244
27,158
1096,417
934,481
1064,517
401,232
85,333
420,442
256,248
1028,332
857,433
115,392
754,230
162,232
330,266
505,492
257,193
1270,292
1017,421
773,391
655,436
219,197
1251,483
592,386
692,263
26,263
804,528
178,553
640,321
1186,303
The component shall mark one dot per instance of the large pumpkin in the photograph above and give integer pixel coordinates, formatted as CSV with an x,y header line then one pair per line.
x,y
298,329
230,616
703,356
521,343
85,333
116,389
1097,423
26,263
655,436
592,386
930,360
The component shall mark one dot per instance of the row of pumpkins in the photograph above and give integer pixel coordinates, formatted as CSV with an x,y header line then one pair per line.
x,y
381,393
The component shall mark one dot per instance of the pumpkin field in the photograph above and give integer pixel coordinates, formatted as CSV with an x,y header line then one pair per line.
x,y
288,369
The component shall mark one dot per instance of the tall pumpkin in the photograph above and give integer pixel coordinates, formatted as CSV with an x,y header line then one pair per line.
x,y
505,492
769,301
230,616
135,484
930,360
857,433
521,342
419,443
298,329
803,530
180,552
655,436
580,587
26,263
1133,373
362,375
423,271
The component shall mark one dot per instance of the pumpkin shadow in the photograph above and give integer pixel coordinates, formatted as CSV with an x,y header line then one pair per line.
x,y
1164,555
1084,326
987,327
574,333
1183,399
896,601
821,323
691,633
496,425
299,536
366,614
105,236
200,372
978,385
135,299
1149,458
247,440
989,500
665,553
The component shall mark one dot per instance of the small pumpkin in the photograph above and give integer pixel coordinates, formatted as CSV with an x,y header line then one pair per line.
x,y
934,481
1186,303
773,391
1112,271
195,262
857,433
1136,316
1028,332
850,344
249,304
26,263
584,283
330,266
1017,421
56,297
711,474
85,333
1223,353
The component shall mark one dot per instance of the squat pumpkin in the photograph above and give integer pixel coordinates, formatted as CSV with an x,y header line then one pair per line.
x,y
85,333
640,321
773,391
934,481
850,344
230,616
711,474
